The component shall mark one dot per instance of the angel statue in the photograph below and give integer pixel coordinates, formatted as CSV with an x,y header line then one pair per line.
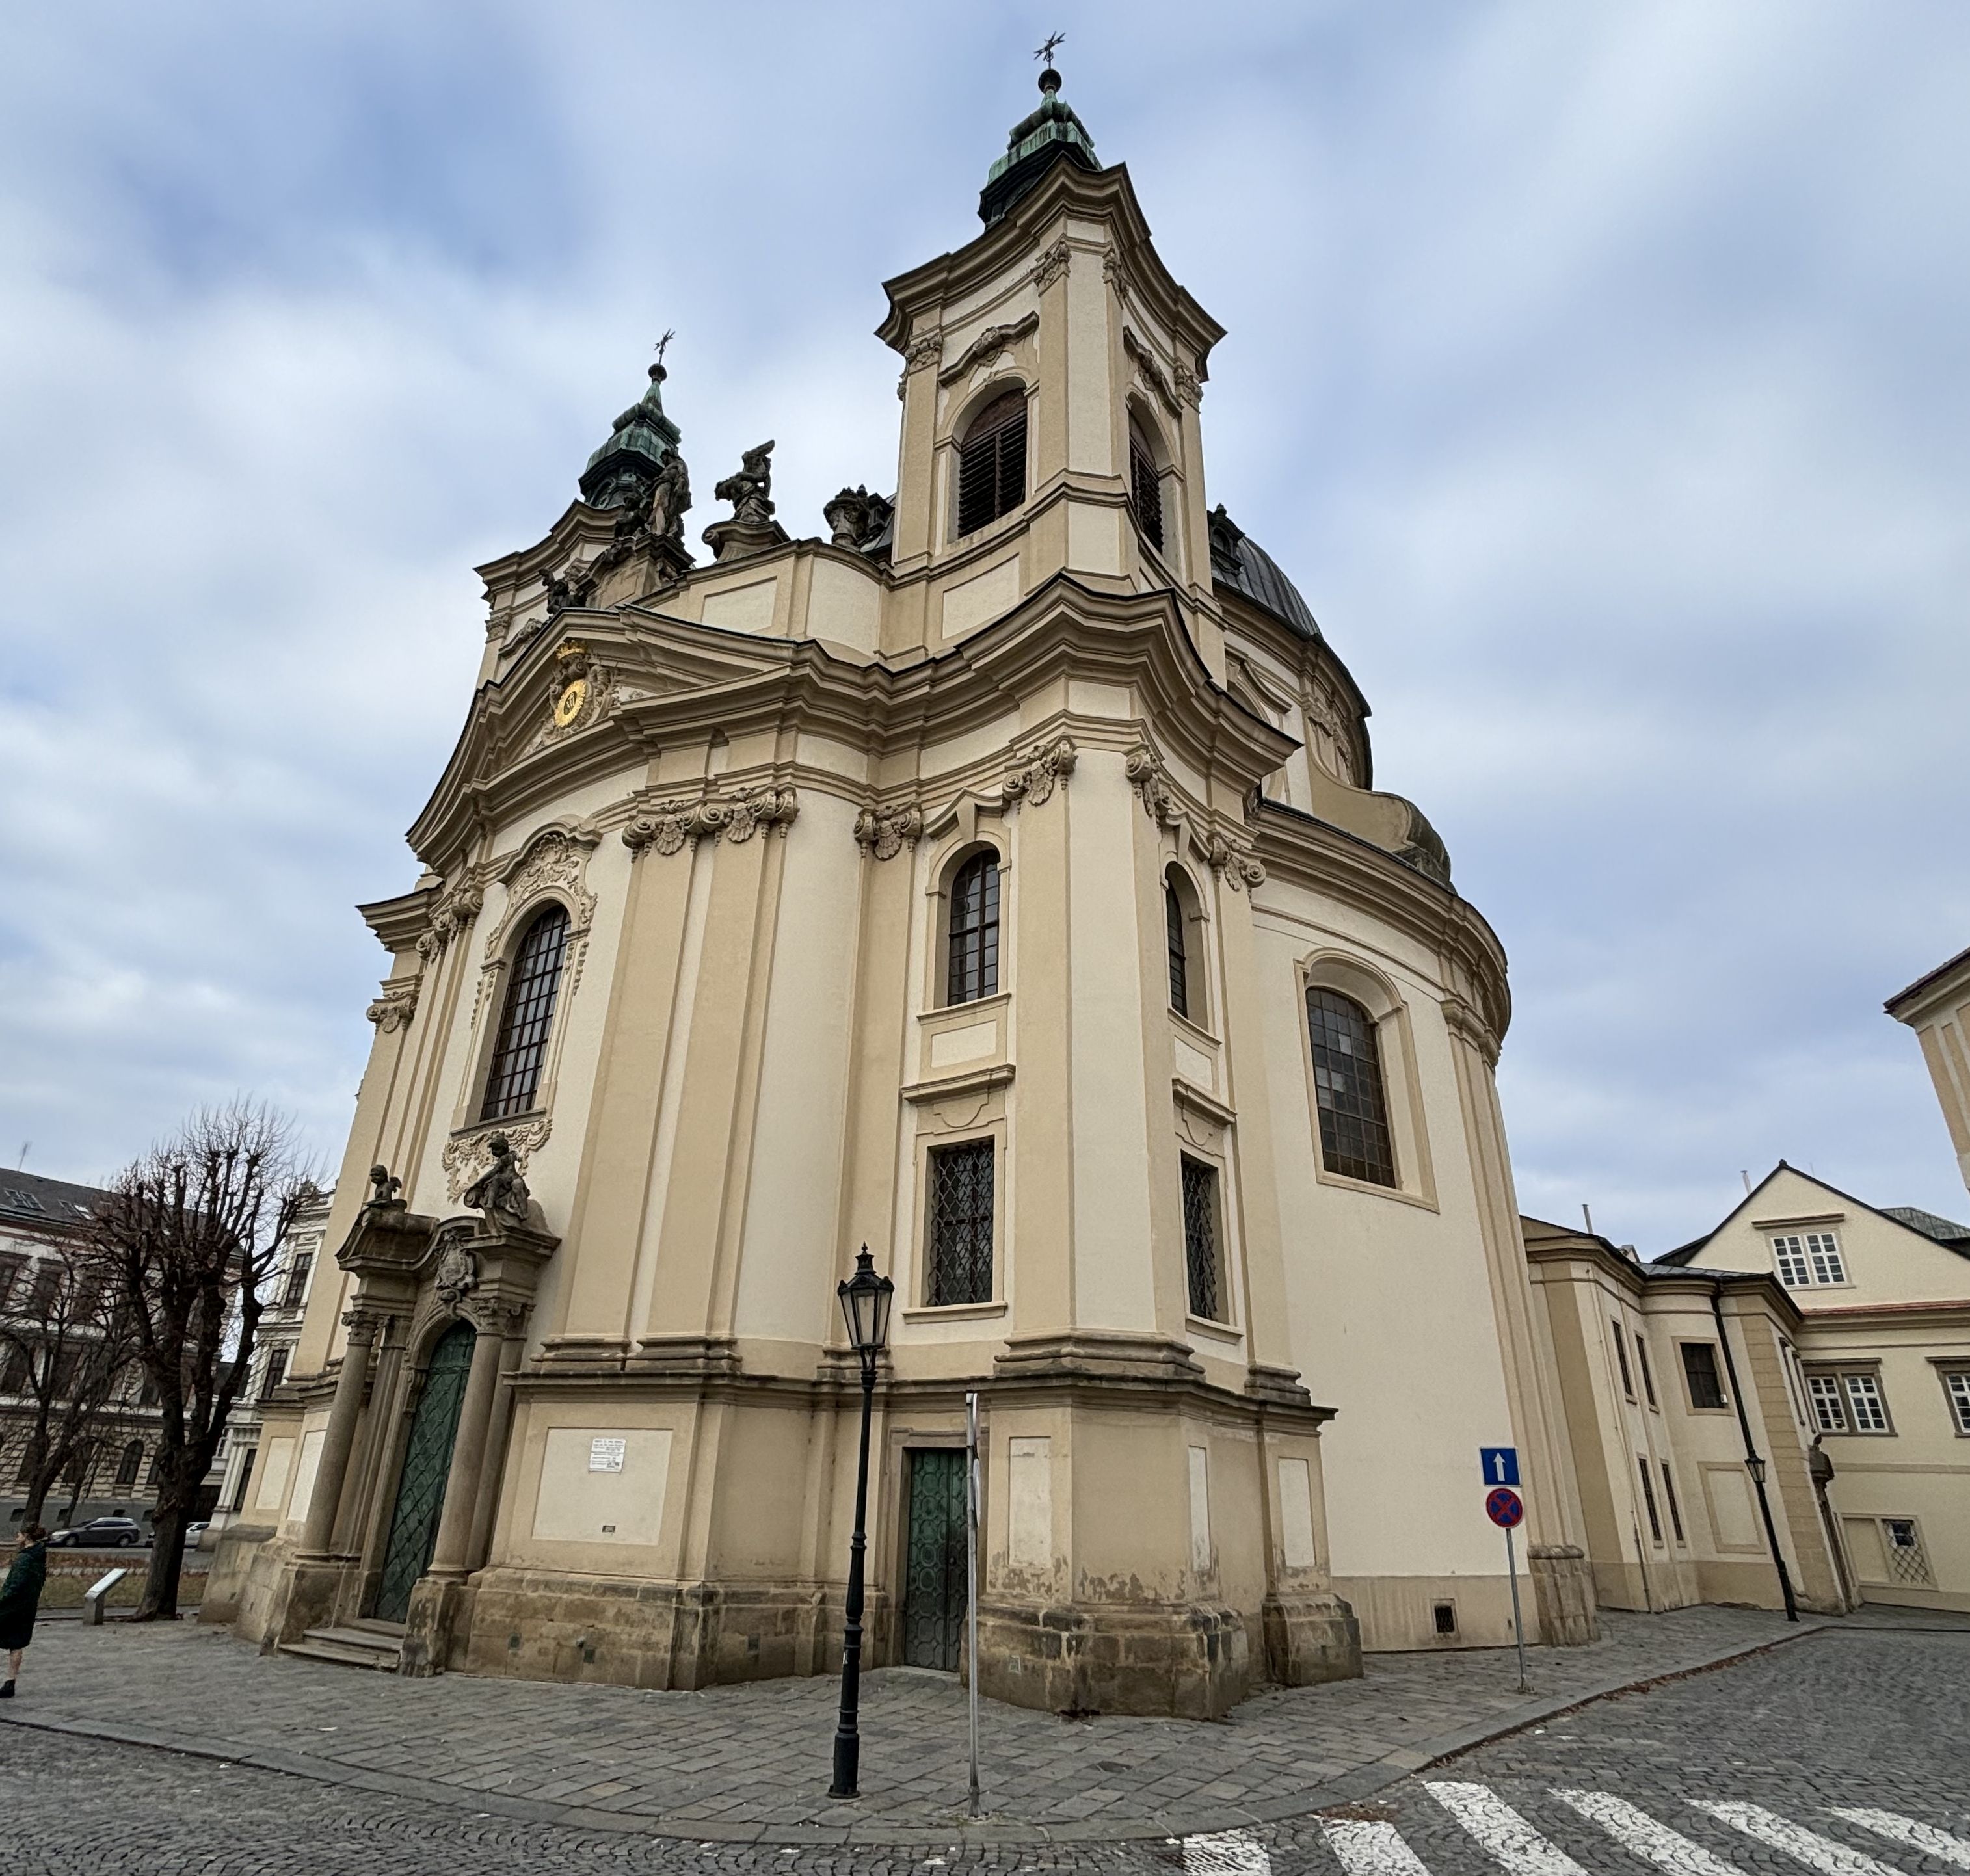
x,y
750,491
501,1193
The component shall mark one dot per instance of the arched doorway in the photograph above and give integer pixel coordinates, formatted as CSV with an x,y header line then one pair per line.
x,y
427,1465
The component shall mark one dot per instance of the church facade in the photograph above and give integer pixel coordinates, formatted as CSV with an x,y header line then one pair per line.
x,y
995,879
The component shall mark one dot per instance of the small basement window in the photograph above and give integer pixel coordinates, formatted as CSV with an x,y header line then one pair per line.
x,y
1445,1613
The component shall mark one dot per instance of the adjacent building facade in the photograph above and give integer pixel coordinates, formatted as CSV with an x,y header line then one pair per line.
x,y
997,879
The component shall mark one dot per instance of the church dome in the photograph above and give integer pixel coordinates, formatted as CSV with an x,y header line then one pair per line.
x,y
1238,562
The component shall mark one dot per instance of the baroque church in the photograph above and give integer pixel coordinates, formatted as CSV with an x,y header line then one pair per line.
x,y
995,879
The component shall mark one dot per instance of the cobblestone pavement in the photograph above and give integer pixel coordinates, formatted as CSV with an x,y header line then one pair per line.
x,y
1870,1722
752,1761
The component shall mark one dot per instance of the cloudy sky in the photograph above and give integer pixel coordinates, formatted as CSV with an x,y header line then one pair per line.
x,y
1599,372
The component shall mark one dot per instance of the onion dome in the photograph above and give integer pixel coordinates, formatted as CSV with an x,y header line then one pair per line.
x,y
1037,142
620,474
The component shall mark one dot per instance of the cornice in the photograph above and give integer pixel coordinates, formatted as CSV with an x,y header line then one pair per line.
x,y
398,922
1066,189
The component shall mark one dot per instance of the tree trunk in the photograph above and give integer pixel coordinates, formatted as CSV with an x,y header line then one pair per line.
x,y
159,1602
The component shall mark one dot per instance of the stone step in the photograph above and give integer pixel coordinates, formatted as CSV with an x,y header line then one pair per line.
x,y
371,1647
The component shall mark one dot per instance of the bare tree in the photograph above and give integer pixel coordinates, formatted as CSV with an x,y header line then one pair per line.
x,y
65,1350
185,1241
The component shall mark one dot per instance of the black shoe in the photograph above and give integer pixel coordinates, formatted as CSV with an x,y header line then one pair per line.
x,y
7,1690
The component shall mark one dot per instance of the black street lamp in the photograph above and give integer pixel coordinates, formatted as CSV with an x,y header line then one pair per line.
x,y
865,1299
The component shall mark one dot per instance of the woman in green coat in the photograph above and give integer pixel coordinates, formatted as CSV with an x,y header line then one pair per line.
x,y
19,1597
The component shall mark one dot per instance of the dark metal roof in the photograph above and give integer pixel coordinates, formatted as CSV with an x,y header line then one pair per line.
x,y
27,1198
1238,562
1943,1230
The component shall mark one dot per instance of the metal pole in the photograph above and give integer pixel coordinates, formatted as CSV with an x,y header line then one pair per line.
x,y
1752,1463
971,1574
1518,1626
847,1739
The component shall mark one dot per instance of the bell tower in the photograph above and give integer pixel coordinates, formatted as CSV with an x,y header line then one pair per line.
x,y
1059,318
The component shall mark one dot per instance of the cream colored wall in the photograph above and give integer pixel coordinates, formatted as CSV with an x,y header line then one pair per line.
x,y
1886,1262
1369,1273
1938,1010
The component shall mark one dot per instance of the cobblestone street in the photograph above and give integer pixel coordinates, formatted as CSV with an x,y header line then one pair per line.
x,y
1860,1717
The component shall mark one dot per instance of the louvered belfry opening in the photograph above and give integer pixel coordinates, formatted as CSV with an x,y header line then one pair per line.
x,y
973,969
521,1050
1145,488
992,463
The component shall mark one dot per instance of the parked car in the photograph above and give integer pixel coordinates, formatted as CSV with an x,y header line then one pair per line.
x,y
102,1534
194,1532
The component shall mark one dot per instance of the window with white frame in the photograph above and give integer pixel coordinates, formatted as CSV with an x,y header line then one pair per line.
x,y
1808,1259
1849,1402
1956,1385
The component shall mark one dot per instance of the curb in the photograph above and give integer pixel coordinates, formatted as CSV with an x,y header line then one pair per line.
x,y
1350,1788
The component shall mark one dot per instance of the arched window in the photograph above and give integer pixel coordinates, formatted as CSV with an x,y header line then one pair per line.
x,y
992,463
1347,1086
521,1049
973,971
1179,958
130,1464
1145,485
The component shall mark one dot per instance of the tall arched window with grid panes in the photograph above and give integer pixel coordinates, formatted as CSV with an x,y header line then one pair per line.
x,y
1348,1084
527,1018
972,966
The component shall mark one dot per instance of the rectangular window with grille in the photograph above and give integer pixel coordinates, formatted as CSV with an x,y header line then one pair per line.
x,y
1867,1403
1202,1273
1806,1260
1699,1369
1829,1413
297,1280
1145,490
1956,1387
1848,1400
961,1224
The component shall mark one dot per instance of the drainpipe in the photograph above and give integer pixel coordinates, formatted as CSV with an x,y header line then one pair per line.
x,y
1753,1463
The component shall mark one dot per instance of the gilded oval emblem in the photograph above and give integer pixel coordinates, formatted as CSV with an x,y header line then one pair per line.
x,y
568,706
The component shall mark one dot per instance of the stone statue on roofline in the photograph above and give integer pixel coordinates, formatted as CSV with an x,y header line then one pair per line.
x,y
751,528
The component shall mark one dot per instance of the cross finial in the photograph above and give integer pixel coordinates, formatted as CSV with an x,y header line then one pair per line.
x,y
1046,51
662,343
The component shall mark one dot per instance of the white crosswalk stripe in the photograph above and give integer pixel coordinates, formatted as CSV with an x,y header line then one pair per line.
x,y
1500,1829
1636,1830
1368,1849
1226,1853
1816,1851
1923,1837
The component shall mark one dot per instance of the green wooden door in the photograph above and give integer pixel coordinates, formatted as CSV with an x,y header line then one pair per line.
x,y
427,1463
934,1586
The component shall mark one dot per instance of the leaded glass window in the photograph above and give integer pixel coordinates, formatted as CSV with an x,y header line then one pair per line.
x,y
1179,963
961,1223
974,967
1200,1239
521,1052
1347,1086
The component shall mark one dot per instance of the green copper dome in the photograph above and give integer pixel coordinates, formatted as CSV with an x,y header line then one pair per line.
x,y
1036,143
619,473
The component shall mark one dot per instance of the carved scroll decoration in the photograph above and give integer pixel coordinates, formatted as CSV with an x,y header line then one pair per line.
x,y
1053,264
1233,861
712,816
1151,781
884,832
1033,776
457,905
394,1009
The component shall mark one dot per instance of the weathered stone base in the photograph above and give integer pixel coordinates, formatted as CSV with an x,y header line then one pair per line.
x,y
1563,1593
232,1568
437,1626
1311,1639
540,1625
1188,1662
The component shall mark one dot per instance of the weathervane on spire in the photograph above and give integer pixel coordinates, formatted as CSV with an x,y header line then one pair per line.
x,y
1046,51
663,345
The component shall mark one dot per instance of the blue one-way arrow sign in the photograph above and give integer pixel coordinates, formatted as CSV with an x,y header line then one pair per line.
x,y
1499,1465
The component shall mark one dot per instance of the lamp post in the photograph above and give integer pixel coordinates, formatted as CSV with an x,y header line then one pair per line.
x,y
865,1299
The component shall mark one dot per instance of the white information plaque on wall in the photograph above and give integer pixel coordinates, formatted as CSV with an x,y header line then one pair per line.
x,y
606,1455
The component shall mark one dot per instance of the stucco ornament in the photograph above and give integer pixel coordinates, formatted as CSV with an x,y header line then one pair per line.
x,y
1033,775
920,352
455,1274
458,903
885,831
1052,265
466,1158
1151,781
394,1009
1189,386
1233,861
736,817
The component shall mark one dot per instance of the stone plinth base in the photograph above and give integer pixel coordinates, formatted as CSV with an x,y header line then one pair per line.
x,y
541,1625
437,1626
1188,1662
1563,1592
734,540
231,1567
1311,1639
